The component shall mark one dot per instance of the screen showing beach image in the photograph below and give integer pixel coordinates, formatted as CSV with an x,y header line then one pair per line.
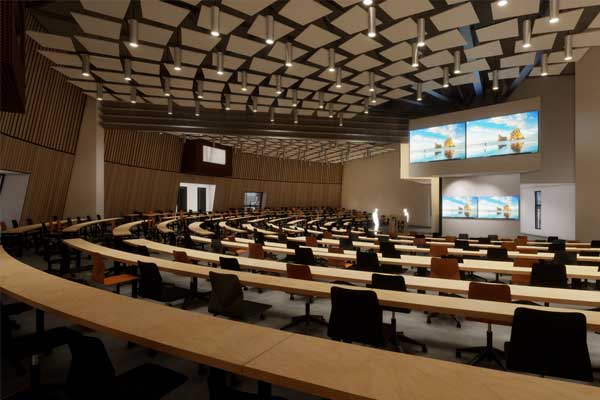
x,y
506,135
438,143
499,207
459,207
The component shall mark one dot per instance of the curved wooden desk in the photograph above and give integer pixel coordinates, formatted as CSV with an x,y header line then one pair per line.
x,y
27,228
77,227
196,227
224,225
124,230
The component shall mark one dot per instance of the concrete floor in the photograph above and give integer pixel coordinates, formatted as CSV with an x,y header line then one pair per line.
x,y
441,336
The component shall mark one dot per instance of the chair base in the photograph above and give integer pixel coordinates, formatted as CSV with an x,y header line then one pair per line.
x,y
435,314
483,353
402,338
306,320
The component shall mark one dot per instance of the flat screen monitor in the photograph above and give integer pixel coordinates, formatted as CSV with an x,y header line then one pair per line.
x,y
499,207
505,135
459,207
438,143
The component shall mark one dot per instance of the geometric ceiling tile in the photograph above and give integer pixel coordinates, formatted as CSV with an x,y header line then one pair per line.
x,y
397,68
429,74
278,51
285,81
462,80
244,46
211,74
446,40
266,66
110,63
98,26
146,52
312,84
509,73
349,99
110,76
186,71
267,91
398,52
211,105
360,43
586,39
474,66
73,73
595,22
568,4
144,67
190,57
306,112
118,87
364,91
315,37
397,93
400,9
303,11
237,88
502,30
363,78
401,31
310,104
346,87
160,101
435,59
115,9
542,42
154,34
355,109
183,103
52,41
105,96
85,85
227,22
248,7
330,76
162,12
431,85
559,56
515,9
321,57
229,62
353,20
301,70
518,60
182,83
255,79
363,63
398,81
553,69
490,49
99,46
146,80
568,21
198,40
214,86
184,94
301,94
258,28
456,17
70,59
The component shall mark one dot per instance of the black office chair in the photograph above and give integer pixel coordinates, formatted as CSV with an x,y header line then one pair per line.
x,y
92,375
231,264
305,256
142,251
367,262
388,250
151,285
346,244
557,245
259,237
551,239
493,237
395,282
549,275
227,298
500,254
595,244
549,344
463,236
357,317
461,244
565,257
484,241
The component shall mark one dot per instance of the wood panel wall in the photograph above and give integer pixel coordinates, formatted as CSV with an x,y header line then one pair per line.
x,y
42,141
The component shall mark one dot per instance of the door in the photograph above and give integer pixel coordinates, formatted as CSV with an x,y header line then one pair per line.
x,y
201,199
182,199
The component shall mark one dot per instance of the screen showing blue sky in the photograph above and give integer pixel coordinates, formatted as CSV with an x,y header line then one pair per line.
x,y
459,207
505,135
438,143
499,207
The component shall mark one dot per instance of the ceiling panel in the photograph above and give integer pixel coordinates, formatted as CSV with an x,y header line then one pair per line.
x,y
568,21
258,28
462,15
518,60
353,21
542,42
397,52
98,26
435,59
515,9
115,9
398,68
360,43
397,9
446,40
490,49
401,31
429,74
502,30
227,22
248,7
314,36
162,12
198,40
363,63
304,11
246,47
52,41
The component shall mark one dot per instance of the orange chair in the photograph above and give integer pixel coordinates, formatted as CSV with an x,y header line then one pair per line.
x,y
2,226
488,292
438,250
444,268
327,235
255,250
509,246
233,250
311,241
99,271
302,272
522,279
450,239
521,240
528,251
420,242
338,263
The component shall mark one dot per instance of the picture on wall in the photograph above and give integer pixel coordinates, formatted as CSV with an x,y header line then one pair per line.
x,y
459,207
499,207
504,135
438,143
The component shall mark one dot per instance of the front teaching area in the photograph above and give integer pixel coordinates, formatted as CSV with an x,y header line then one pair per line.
x,y
299,199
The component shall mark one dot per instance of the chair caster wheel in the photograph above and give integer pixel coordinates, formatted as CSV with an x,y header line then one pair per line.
x,y
458,354
458,325
428,321
424,349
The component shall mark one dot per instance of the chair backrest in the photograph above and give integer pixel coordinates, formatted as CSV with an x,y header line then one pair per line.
x,y
346,244
231,264
438,250
355,317
493,237
445,268
227,297
328,235
484,241
595,244
550,343
489,292
549,275
259,237
420,241
388,249
461,244
552,238
181,256
451,239
463,235
292,244
2,226
299,271
565,257
367,261
91,373
497,254
150,283
509,246
523,279
388,282
557,245
255,250
15,224
528,251
143,251
336,263
521,240
311,241
304,255
98,268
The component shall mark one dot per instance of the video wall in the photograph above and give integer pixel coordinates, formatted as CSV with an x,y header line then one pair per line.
x,y
481,207
497,136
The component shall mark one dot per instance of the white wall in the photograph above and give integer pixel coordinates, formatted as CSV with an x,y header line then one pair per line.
x,y
12,196
485,185
558,210
192,195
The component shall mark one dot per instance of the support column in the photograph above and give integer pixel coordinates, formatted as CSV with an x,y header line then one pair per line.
x,y
86,189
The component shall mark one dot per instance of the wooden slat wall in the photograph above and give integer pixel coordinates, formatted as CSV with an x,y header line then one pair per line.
x,y
50,173
54,107
143,149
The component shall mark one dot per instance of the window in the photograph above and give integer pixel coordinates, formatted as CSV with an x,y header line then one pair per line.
x,y
214,155
253,199
538,209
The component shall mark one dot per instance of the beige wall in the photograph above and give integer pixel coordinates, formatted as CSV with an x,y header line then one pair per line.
x,y
587,145
375,182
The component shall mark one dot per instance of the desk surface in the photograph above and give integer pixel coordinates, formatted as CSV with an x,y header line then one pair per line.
x,y
196,227
77,227
28,228
125,229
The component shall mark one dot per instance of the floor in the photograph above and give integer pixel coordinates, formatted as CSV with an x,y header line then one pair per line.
x,y
441,336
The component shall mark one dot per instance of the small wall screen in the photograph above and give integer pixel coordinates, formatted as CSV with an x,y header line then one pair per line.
x,y
214,155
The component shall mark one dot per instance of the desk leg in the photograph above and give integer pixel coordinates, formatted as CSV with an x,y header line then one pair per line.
x,y
35,359
264,390
134,289
216,384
